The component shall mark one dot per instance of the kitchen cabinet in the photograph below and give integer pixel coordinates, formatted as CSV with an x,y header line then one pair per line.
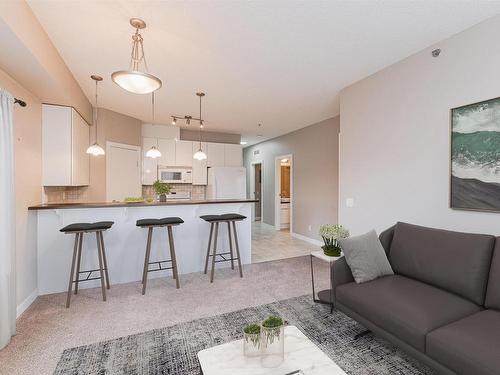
x,y
167,149
233,155
199,166
216,155
149,165
65,139
285,215
184,153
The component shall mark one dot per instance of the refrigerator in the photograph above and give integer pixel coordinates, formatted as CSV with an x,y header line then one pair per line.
x,y
227,183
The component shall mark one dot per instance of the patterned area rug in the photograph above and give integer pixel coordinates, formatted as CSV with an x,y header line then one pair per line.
x,y
173,350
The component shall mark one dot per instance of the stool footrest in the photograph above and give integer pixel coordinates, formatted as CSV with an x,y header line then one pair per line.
x,y
160,268
88,278
224,259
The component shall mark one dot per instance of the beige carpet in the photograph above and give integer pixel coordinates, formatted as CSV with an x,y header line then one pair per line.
x,y
47,327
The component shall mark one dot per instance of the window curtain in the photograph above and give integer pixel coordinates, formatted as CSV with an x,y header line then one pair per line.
x,y
7,221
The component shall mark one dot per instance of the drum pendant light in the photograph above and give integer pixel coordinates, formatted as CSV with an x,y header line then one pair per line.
x,y
153,152
200,155
95,149
134,80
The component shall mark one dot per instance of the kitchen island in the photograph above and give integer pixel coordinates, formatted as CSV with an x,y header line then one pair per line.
x,y
125,243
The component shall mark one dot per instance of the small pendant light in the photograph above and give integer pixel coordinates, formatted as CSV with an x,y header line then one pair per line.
x,y
200,155
95,149
153,152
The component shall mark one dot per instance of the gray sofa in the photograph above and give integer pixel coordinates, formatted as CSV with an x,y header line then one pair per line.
x,y
442,306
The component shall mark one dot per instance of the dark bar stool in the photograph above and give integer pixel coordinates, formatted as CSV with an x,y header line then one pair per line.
x,y
214,221
168,222
78,229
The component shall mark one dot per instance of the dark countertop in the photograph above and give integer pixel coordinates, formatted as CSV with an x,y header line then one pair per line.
x,y
176,202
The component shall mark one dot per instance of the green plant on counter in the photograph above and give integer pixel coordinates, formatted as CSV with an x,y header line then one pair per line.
x,y
161,187
271,328
331,234
133,199
252,334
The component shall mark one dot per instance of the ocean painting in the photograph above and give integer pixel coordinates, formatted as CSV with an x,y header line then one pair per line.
x,y
475,156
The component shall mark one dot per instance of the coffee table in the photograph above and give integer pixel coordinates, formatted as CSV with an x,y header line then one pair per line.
x,y
300,354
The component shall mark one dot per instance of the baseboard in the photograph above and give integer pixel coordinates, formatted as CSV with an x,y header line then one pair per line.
x,y
307,239
26,303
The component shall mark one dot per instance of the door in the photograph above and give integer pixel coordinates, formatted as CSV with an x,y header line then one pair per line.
x,y
80,160
123,171
258,190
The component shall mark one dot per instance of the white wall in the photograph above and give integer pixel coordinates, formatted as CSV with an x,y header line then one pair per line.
x,y
395,135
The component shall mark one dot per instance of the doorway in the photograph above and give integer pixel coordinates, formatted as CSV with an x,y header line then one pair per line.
x,y
284,193
256,190
123,171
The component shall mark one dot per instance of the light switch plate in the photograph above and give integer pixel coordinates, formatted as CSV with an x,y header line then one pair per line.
x,y
349,202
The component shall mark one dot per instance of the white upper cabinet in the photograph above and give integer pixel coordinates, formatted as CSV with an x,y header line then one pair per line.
x,y
167,149
65,139
149,165
199,166
216,154
233,155
184,154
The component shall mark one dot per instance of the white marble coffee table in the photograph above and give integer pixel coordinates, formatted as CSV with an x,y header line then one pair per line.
x,y
300,354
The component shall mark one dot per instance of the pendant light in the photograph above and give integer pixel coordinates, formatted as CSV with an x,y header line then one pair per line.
x,y
134,80
153,152
95,149
200,155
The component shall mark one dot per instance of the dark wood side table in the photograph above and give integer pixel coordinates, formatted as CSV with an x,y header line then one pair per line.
x,y
327,296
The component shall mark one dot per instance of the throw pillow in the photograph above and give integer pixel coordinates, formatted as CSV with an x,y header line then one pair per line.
x,y
366,257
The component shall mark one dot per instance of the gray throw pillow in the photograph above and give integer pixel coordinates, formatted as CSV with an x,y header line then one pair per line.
x,y
366,257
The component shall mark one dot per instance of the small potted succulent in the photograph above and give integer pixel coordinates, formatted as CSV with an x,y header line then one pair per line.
x,y
331,234
251,340
161,189
272,341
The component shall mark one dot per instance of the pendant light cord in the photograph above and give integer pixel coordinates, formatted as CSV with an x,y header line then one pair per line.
x,y
201,122
153,108
96,110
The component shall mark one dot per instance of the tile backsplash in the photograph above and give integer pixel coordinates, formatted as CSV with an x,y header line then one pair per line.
x,y
197,191
65,194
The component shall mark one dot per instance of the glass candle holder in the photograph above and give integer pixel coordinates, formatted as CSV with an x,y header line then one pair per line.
x,y
251,344
272,346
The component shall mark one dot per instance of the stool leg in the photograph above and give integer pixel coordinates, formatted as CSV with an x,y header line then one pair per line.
x,y
72,272
230,244
237,248
106,274
172,255
215,252
101,271
79,259
146,261
208,248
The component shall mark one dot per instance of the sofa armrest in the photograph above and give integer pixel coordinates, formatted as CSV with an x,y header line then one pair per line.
x,y
341,273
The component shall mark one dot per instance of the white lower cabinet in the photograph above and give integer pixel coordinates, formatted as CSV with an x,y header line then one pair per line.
x,y
199,166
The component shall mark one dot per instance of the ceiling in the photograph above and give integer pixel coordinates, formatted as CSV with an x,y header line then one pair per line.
x,y
278,63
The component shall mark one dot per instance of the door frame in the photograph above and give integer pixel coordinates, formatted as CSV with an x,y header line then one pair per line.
x,y
109,145
277,191
252,187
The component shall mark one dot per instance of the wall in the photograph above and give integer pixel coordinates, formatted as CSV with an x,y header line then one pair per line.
x,y
395,135
28,177
315,174
208,136
112,127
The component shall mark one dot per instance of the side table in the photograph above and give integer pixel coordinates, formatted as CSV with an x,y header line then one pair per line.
x,y
326,296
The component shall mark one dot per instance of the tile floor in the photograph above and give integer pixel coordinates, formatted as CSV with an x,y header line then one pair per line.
x,y
271,244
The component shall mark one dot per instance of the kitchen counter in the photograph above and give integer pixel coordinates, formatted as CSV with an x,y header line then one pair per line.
x,y
125,242
172,202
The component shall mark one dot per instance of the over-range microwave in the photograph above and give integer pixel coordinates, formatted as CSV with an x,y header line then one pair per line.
x,y
175,175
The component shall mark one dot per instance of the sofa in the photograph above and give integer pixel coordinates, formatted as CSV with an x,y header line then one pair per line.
x,y
442,305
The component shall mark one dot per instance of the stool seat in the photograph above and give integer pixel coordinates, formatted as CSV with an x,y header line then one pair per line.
x,y
210,218
159,222
233,217
86,227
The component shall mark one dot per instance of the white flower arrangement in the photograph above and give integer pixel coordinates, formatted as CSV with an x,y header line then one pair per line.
x,y
330,234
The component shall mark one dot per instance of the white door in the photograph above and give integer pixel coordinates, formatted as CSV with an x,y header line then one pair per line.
x,y
123,171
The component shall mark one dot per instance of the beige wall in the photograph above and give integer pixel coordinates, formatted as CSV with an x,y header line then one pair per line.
x,y
315,174
28,177
208,136
395,134
112,127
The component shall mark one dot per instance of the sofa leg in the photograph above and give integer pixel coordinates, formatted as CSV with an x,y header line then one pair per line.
x,y
361,334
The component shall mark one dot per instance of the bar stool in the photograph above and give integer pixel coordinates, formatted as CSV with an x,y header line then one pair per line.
x,y
215,220
78,229
168,222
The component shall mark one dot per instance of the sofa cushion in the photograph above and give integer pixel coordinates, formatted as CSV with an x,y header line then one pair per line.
x,y
404,307
454,261
493,291
470,345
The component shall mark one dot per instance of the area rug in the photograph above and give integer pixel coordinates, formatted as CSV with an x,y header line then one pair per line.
x,y
173,350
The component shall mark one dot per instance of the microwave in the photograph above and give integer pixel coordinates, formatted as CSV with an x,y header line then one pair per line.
x,y
175,175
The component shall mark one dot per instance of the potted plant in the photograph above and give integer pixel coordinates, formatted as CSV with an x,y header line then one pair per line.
x,y
331,234
251,340
161,189
272,341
